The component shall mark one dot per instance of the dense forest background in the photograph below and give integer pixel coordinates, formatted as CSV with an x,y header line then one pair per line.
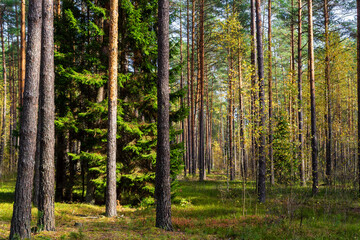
x,y
259,113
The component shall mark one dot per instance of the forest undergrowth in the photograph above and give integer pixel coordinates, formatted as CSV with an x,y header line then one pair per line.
x,y
213,209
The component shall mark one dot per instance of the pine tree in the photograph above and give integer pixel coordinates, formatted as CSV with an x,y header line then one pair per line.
x,y
20,223
162,187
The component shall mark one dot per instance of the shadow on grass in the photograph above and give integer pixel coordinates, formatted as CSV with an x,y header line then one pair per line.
x,y
7,191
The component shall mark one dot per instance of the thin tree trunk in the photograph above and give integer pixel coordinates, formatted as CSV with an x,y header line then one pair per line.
x,y
189,146
253,85
241,117
300,108
314,152
202,172
262,159
162,179
328,94
192,111
20,223
22,56
182,86
358,82
230,119
271,137
47,128
3,135
112,114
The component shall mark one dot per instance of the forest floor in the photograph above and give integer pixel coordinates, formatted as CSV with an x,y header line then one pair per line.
x,y
213,209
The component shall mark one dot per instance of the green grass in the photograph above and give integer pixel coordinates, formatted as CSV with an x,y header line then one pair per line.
x,y
211,210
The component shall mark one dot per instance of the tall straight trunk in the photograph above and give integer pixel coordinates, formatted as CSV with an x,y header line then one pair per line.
x,y
271,137
230,119
241,117
22,55
202,172
47,128
262,158
182,85
3,128
192,110
300,108
112,112
208,125
189,142
20,223
292,69
328,94
162,179
253,84
358,82
314,152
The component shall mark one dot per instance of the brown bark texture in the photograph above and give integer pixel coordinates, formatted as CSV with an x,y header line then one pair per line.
x,y
112,114
262,159
314,148
358,82
22,50
162,179
328,93
300,108
3,128
271,137
47,127
20,223
201,113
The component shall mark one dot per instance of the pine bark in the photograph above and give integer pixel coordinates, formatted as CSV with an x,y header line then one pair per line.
x,y
241,118
47,128
182,86
358,84
328,94
271,137
300,108
253,84
189,148
201,112
230,118
314,148
3,128
262,159
162,179
192,79
20,223
112,113
22,50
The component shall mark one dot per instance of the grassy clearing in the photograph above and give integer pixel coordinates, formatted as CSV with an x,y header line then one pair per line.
x,y
210,210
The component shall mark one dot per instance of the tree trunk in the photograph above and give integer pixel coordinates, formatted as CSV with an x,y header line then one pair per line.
x,y
314,152
253,85
201,113
3,128
162,179
358,82
189,146
262,159
20,223
328,94
300,108
182,86
271,137
192,110
47,128
230,118
22,56
112,114
241,118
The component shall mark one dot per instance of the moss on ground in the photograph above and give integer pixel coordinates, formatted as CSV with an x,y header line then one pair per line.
x,y
212,209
